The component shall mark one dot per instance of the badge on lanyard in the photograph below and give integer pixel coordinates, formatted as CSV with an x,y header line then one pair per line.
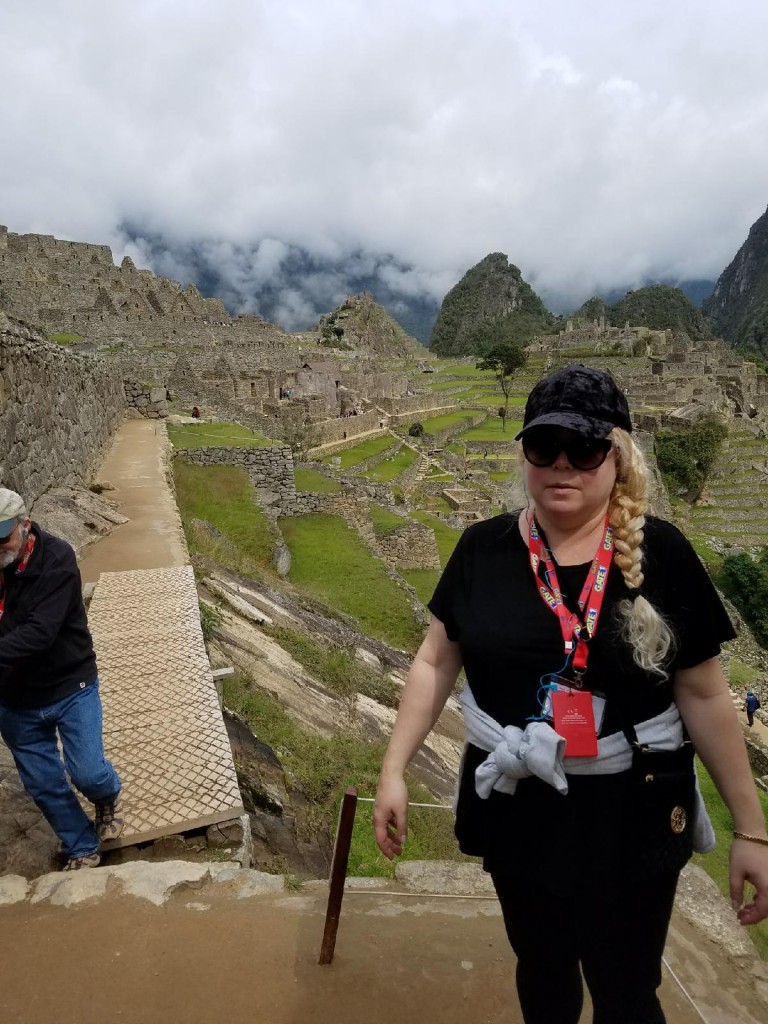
x,y
570,705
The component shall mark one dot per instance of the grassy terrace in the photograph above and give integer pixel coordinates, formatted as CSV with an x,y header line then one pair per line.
x,y
490,430
391,468
331,562
365,450
214,435
384,521
423,581
223,497
311,481
450,419
495,400
446,385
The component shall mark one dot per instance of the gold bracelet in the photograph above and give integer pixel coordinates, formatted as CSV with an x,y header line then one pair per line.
x,y
752,839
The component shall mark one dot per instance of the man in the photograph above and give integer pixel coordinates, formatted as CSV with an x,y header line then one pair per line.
x,y
49,686
751,704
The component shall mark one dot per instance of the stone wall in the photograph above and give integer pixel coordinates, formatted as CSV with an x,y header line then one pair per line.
x,y
330,431
423,404
270,469
58,411
149,402
411,546
758,757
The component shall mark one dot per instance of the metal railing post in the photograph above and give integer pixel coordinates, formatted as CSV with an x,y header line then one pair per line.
x,y
338,873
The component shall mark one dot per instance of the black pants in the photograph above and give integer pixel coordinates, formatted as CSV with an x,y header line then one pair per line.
x,y
615,934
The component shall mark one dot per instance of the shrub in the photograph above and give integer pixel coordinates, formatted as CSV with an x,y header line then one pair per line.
x,y
416,430
745,581
686,457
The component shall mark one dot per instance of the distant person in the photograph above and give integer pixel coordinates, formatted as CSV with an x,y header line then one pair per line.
x,y
751,704
49,688
196,413
589,633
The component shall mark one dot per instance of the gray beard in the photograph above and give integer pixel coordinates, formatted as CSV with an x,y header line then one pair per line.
x,y
8,558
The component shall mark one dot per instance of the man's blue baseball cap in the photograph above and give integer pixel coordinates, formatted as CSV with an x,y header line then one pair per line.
x,y
11,507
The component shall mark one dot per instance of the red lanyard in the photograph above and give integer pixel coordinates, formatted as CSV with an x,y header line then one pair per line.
x,y
29,547
572,626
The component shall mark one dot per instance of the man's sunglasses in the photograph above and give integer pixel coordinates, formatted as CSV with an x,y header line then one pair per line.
x,y
582,453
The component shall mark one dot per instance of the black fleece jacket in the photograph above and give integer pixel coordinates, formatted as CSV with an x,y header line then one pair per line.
x,y
46,651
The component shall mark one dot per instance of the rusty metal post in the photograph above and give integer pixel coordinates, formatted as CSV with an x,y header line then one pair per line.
x,y
338,873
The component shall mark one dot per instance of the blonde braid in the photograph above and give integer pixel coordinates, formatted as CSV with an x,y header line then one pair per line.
x,y
642,627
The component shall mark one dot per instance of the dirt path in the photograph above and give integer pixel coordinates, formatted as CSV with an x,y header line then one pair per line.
x,y
206,957
153,538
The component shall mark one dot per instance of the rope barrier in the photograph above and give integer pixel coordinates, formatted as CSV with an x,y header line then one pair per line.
x,y
683,989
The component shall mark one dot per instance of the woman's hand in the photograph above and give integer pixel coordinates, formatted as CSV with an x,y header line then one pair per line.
x,y
749,863
390,815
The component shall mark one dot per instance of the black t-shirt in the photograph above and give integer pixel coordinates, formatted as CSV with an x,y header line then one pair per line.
x,y
509,640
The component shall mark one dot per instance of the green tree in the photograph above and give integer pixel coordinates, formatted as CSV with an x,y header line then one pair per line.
x,y
503,359
745,581
686,457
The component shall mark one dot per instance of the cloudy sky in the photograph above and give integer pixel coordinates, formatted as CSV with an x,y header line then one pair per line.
x,y
282,146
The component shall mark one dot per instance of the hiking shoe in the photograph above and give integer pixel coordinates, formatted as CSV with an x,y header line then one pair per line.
x,y
90,860
109,818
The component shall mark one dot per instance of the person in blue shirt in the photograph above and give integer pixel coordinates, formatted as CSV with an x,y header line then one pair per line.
x,y
751,704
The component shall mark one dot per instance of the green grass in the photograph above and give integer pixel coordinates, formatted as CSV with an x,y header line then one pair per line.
x,y
330,562
466,371
716,863
435,503
215,435
361,452
450,419
740,675
430,837
310,481
384,521
423,581
392,467
337,668
447,538
501,478
62,338
223,496
321,768
490,430
495,400
446,385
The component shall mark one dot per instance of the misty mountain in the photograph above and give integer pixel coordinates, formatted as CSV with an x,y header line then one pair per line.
x,y
492,295
738,307
286,284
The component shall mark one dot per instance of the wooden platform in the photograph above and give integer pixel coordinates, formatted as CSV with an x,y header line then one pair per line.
x,y
163,728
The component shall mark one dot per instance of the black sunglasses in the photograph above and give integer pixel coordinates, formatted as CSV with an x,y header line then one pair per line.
x,y
582,453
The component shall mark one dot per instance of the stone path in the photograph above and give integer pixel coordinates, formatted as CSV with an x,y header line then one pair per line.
x,y
138,467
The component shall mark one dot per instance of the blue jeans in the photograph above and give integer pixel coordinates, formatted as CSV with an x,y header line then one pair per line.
x,y
30,735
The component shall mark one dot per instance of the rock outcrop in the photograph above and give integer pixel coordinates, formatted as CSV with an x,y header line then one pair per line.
x,y
738,307
490,296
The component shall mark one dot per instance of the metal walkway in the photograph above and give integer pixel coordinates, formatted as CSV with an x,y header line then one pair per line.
x,y
163,728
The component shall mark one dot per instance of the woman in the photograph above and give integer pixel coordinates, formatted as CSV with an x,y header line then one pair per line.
x,y
580,622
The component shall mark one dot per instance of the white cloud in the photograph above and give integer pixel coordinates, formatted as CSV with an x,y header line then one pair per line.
x,y
596,143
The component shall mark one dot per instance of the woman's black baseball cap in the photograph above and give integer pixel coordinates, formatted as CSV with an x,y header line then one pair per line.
x,y
579,398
